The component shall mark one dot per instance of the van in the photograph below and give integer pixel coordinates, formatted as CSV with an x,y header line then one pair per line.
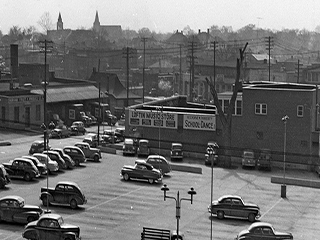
x,y
248,159
264,160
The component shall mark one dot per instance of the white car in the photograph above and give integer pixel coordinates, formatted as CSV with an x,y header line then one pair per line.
x,y
45,159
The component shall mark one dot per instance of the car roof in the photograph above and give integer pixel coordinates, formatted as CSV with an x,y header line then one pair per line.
x,y
142,162
14,197
50,216
23,159
128,140
143,140
68,183
260,224
176,144
72,147
156,156
82,143
229,196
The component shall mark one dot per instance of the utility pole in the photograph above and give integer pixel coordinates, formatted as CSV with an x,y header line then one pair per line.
x,y
269,40
192,45
298,72
180,70
144,39
47,45
128,52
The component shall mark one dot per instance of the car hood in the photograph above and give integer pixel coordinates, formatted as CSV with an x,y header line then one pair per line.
x,y
32,208
69,226
243,232
128,167
283,234
251,205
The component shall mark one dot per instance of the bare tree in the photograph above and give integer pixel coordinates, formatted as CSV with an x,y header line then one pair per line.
x,y
226,118
45,22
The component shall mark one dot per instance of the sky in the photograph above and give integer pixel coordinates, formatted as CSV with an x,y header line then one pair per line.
x,y
163,16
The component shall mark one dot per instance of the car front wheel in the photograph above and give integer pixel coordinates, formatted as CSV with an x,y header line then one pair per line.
x,y
27,177
220,214
126,177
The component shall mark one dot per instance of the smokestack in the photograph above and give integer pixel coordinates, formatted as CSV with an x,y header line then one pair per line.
x,y
14,60
199,31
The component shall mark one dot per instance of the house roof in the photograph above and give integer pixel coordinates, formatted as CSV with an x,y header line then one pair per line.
x,y
74,92
112,85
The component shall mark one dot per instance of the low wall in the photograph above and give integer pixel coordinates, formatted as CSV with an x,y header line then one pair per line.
x,y
296,182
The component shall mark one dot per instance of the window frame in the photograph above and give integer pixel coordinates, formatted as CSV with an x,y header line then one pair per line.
x,y
260,109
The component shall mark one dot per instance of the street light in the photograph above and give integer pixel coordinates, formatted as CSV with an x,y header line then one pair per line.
x,y
178,200
46,147
212,150
283,186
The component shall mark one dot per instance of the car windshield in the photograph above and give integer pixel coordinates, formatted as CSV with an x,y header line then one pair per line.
x,y
176,147
248,154
143,144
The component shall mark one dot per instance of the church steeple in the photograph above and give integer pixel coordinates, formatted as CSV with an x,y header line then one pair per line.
x,y
96,24
59,23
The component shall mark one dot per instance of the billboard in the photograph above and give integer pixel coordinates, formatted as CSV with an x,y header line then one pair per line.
x,y
205,122
149,118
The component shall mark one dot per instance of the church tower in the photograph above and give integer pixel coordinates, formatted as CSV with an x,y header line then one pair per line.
x,y
59,23
96,24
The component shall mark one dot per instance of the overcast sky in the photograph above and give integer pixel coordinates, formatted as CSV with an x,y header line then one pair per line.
x,y
164,15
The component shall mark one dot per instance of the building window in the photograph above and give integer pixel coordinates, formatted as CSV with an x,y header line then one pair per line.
x,y
38,112
72,114
300,109
225,105
16,114
261,109
238,108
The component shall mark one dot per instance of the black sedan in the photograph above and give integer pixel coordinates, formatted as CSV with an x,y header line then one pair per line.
x,y
141,170
262,230
234,206
13,209
51,226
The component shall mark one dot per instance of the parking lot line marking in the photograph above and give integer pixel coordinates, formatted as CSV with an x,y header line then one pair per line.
x,y
110,200
271,207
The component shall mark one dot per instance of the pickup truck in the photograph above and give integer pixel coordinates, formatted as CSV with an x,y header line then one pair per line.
x,y
65,193
21,168
89,152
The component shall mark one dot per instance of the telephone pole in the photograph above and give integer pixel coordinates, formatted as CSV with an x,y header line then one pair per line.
x,y
128,54
269,42
192,45
144,39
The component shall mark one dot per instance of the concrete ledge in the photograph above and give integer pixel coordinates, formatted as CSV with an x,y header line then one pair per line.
x,y
5,143
185,168
108,150
296,182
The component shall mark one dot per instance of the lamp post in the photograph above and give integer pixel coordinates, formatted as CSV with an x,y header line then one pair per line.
x,y
211,151
46,147
178,200
283,186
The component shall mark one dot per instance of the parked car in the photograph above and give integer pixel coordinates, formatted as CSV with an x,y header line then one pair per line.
x,y
262,231
248,159
119,132
60,131
37,147
41,166
87,121
109,136
143,148
176,151
89,152
92,139
211,157
78,127
52,166
128,147
22,168
76,154
65,193
234,206
51,226
94,120
55,156
264,160
159,162
13,209
4,177
109,118
68,160
141,170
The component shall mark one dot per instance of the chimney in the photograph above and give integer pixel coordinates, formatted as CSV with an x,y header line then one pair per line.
x,y
208,30
14,63
199,31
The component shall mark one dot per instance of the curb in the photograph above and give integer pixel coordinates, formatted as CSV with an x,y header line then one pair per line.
x,y
185,168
